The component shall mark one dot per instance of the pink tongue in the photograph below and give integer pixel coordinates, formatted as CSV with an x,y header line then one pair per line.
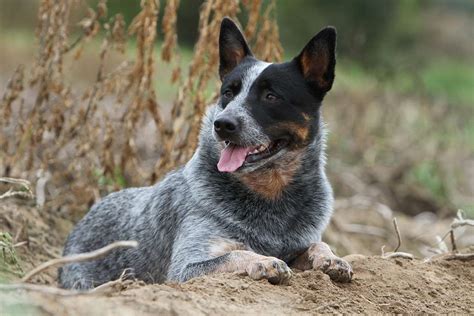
x,y
232,157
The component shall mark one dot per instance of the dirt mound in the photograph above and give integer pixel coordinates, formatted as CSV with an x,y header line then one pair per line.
x,y
379,285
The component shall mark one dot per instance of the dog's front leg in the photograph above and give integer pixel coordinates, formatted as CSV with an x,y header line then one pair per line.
x,y
242,261
319,256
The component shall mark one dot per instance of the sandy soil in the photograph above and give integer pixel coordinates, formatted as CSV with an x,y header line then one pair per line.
x,y
379,285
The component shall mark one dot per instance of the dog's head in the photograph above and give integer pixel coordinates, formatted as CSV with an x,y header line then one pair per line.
x,y
269,112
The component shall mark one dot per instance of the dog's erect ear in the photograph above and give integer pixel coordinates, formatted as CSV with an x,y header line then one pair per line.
x,y
318,60
232,47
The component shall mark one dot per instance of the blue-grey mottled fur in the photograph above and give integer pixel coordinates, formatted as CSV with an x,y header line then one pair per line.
x,y
174,220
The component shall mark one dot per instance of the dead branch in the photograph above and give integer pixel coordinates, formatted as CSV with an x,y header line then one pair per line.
x,y
41,288
453,240
451,256
25,191
19,194
394,253
458,256
464,222
395,224
404,255
62,292
25,183
111,284
96,254
399,254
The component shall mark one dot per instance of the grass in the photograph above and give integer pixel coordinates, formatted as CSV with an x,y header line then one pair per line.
x,y
450,79
426,174
10,266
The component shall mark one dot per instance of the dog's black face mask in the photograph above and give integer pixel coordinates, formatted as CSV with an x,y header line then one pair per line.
x,y
267,111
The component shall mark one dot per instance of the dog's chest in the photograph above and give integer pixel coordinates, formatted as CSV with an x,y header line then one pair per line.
x,y
274,234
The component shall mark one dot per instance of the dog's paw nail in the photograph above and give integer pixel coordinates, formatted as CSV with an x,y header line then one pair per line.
x,y
337,269
274,270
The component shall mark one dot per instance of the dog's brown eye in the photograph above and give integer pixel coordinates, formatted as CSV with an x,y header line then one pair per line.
x,y
228,94
271,97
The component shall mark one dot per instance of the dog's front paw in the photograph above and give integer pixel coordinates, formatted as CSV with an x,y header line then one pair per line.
x,y
274,270
338,269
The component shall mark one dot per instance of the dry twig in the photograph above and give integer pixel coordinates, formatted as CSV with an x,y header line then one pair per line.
x,y
459,256
399,254
25,191
96,254
399,238
41,288
453,240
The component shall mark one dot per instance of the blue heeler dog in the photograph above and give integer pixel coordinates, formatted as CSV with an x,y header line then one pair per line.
x,y
253,199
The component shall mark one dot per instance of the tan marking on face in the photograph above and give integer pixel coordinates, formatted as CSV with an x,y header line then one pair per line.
x,y
301,131
306,117
272,182
221,246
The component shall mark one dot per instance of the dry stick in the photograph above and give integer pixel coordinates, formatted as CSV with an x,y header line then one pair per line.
x,y
464,222
452,256
399,254
61,292
459,256
20,194
103,287
41,288
458,222
25,184
453,240
395,224
22,182
395,253
79,257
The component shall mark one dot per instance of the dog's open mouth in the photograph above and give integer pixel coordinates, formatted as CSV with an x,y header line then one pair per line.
x,y
234,156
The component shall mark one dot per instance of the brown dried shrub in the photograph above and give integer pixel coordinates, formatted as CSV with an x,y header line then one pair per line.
x,y
86,146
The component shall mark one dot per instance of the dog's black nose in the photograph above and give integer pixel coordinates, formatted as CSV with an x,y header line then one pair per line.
x,y
226,127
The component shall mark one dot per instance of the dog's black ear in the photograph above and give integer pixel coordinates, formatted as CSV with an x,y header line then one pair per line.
x,y
232,47
317,61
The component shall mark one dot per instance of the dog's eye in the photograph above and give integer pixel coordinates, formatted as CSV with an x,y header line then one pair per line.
x,y
271,97
228,94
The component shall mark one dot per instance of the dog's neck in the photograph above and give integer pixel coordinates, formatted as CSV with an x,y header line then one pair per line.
x,y
271,182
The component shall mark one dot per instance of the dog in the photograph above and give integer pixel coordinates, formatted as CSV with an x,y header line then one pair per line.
x,y
254,198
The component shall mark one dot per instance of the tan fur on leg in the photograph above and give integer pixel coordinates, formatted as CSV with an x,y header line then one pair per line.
x,y
257,266
319,256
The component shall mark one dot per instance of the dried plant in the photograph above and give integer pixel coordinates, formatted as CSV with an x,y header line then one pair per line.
x,y
89,146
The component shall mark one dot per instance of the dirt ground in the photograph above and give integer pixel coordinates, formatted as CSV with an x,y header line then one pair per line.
x,y
379,285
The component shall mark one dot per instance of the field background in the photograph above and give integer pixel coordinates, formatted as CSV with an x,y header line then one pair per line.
x,y
110,95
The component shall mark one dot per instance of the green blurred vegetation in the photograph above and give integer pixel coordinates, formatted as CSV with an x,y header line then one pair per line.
x,y
9,261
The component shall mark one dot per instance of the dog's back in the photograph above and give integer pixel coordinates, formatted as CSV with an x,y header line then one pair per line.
x,y
148,215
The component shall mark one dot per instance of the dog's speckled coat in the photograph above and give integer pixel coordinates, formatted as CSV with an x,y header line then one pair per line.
x,y
181,221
